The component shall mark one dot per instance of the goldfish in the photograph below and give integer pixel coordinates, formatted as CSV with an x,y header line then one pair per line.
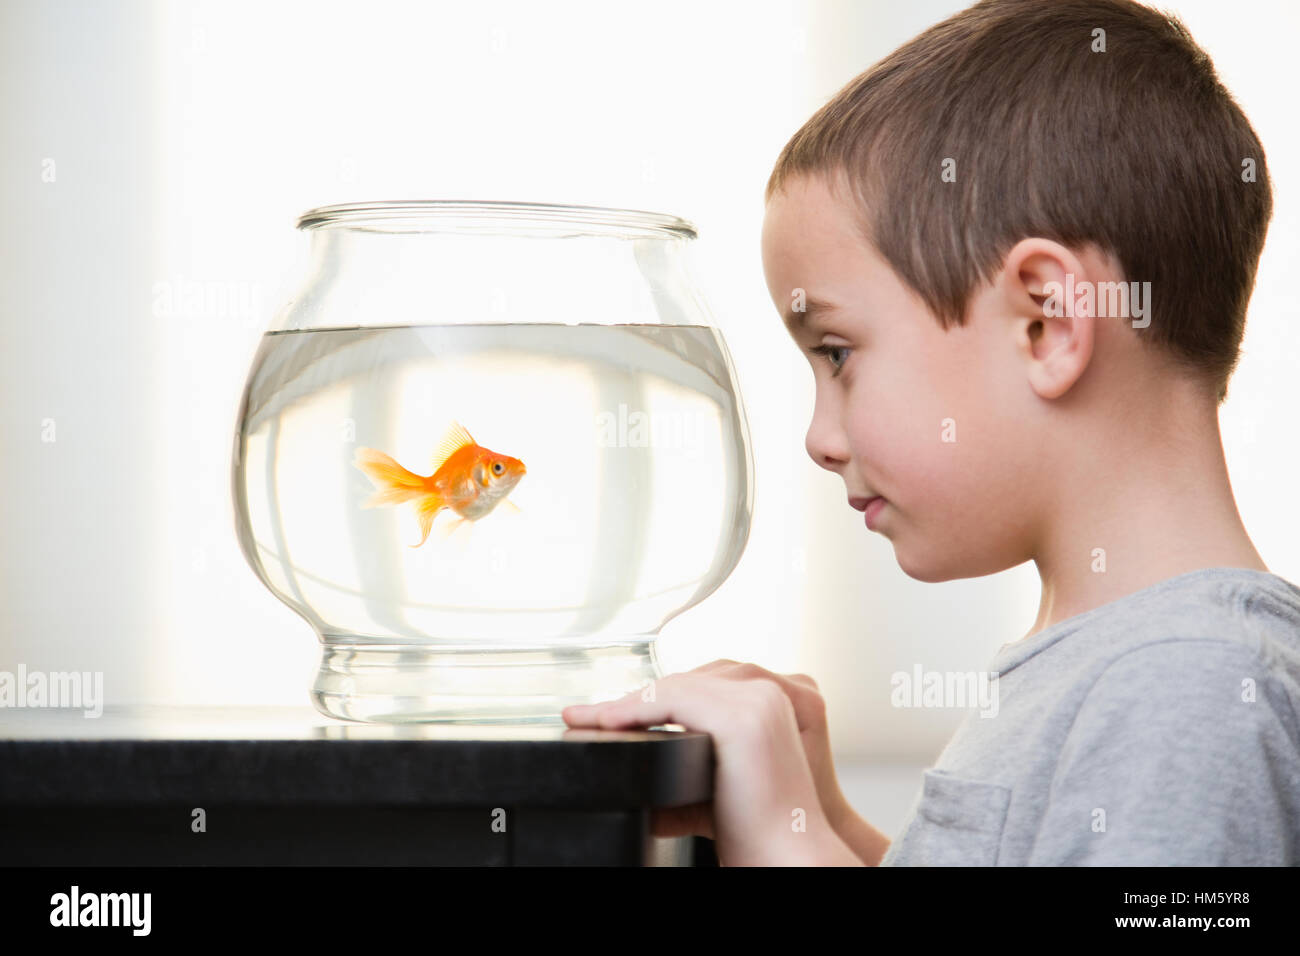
x,y
467,478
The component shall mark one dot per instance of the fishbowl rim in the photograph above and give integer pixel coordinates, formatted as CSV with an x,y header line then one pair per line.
x,y
437,215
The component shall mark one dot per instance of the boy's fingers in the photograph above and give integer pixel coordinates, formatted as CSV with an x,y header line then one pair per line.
x,y
718,665
698,702
809,708
739,671
634,710
735,670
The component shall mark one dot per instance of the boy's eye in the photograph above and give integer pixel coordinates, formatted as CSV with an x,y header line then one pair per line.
x,y
832,353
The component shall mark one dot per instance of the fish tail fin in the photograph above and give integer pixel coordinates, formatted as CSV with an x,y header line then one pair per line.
x,y
394,483
449,527
426,511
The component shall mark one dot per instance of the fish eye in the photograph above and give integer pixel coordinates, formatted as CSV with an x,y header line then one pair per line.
x,y
497,468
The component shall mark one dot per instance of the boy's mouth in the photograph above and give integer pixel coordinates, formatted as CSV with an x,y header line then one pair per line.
x,y
871,506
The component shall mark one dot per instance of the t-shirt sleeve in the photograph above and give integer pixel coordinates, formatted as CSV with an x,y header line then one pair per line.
x,y
1183,753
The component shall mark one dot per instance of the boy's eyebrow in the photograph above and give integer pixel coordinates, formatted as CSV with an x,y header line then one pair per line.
x,y
812,309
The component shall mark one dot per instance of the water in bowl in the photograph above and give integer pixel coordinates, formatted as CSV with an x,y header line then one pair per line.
x,y
635,506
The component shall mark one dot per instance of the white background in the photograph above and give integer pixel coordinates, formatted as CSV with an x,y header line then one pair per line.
x,y
187,137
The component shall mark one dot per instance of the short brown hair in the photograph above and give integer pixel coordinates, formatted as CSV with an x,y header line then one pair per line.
x,y
1138,149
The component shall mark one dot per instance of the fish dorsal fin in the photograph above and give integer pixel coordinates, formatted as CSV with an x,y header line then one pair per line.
x,y
453,441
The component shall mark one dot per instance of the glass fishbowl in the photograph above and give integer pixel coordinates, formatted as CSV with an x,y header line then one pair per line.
x,y
486,451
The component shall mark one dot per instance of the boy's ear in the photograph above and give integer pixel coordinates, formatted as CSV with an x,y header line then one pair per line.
x,y
1052,331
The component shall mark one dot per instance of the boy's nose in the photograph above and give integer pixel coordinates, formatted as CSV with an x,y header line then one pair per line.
x,y
826,450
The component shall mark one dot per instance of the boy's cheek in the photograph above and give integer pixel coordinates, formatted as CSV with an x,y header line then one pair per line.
x,y
931,446
942,473
947,522
929,439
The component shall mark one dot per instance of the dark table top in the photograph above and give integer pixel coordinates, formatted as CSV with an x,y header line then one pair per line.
x,y
283,756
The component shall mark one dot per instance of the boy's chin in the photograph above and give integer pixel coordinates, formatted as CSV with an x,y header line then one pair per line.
x,y
933,568
929,573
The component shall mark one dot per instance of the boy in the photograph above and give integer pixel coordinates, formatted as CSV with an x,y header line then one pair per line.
x,y
1018,252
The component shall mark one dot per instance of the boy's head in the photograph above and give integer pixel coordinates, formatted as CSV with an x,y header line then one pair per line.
x,y
934,201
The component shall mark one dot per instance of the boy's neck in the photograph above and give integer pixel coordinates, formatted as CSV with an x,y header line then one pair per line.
x,y
1157,509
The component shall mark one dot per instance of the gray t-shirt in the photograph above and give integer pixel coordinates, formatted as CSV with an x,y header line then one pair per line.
x,y
1159,729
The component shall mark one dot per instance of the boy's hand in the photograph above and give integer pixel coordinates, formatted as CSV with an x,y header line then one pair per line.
x,y
772,756
810,714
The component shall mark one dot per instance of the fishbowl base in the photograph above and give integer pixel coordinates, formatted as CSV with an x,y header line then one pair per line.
x,y
404,683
